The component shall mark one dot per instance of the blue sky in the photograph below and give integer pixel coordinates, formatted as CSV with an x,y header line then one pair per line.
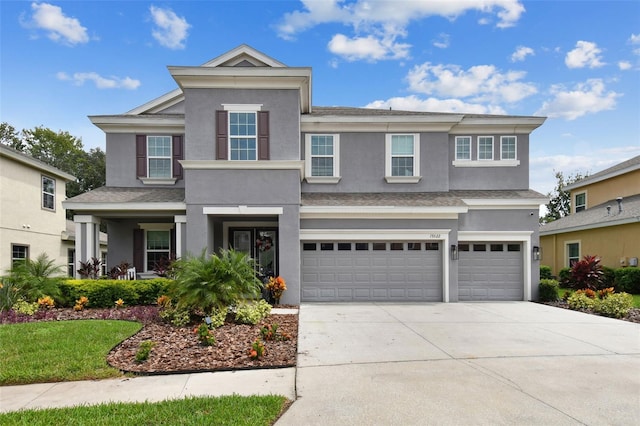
x,y
575,62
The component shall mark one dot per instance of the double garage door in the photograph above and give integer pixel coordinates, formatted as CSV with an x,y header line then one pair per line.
x,y
372,271
490,271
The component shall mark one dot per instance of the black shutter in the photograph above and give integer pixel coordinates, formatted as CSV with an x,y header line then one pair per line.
x,y
263,135
178,154
221,135
138,250
141,155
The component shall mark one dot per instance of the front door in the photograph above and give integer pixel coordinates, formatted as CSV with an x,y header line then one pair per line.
x,y
260,244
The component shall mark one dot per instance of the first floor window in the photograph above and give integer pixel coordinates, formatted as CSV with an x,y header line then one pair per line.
x,y
71,262
573,253
19,253
159,156
48,193
463,148
581,202
243,136
158,247
508,148
485,148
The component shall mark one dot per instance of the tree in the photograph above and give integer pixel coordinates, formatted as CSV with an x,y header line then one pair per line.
x,y
10,137
559,204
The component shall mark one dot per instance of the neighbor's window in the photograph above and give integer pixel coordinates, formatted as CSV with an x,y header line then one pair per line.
x,y
159,156
158,247
573,253
19,253
48,193
581,202
71,262
463,147
243,136
485,148
508,148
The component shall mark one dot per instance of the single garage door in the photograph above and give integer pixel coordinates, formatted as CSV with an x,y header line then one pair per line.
x,y
371,271
490,271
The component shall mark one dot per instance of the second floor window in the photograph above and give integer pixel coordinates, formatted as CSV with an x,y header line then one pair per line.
x,y
159,156
322,155
243,136
48,193
463,147
402,155
581,202
508,148
485,148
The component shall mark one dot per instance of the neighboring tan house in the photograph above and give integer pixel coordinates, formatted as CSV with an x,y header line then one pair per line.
x,y
346,204
32,219
69,243
604,220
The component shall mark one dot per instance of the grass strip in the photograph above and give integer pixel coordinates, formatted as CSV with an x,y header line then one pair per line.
x,y
56,351
233,410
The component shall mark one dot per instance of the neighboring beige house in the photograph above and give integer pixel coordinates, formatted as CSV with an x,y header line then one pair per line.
x,y
32,219
604,220
69,245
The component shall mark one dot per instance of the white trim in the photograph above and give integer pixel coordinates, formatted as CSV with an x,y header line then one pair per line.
x,y
566,251
42,193
158,104
485,163
85,218
242,107
180,221
143,207
244,165
335,177
243,52
574,195
415,178
520,236
380,212
504,203
150,157
492,149
632,219
243,210
139,124
588,180
515,148
157,181
36,164
157,226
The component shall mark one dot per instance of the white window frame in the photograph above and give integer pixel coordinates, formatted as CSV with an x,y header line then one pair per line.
x,y
566,251
515,148
45,193
480,139
161,157
308,157
575,202
241,108
416,159
470,141
154,227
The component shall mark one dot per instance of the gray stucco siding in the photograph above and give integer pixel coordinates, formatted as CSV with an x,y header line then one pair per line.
x,y
202,104
499,220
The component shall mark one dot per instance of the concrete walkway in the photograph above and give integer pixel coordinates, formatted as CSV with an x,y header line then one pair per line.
x,y
512,363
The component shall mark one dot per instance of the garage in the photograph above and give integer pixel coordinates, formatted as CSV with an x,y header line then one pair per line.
x,y
490,271
341,271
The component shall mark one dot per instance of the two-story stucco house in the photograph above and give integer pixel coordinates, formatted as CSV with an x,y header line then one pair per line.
x,y
347,204
604,220
32,219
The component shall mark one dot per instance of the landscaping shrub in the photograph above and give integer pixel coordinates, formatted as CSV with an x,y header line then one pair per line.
x,y
564,278
615,305
207,282
103,293
580,301
627,280
9,293
548,290
252,313
36,278
608,278
545,272
587,273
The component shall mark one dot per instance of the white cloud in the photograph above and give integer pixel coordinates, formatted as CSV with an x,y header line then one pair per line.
x,y
624,65
79,79
586,54
521,53
171,30
480,83
367,48
414,103
387,20
634,39
442,42
586,98
59,28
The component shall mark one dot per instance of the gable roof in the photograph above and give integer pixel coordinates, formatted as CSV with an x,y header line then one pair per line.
x,y
596,217
20,157
617,170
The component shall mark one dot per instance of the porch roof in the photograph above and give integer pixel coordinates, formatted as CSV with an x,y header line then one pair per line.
x,y
111,194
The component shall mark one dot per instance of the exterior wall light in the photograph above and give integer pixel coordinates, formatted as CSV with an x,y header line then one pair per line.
x,y
454,252
536,253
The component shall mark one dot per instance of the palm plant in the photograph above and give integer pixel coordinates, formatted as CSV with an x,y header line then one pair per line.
x,y
37,278
206,282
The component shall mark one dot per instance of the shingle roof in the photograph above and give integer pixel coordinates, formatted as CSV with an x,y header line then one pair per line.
x,y
625,166
410,199
596,216
353,111
110,194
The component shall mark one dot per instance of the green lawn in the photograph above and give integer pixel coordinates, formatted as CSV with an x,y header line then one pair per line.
x,y
57,351
221,411
562,291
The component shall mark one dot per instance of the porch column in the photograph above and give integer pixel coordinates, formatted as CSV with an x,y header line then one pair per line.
x,y
181,234
87,239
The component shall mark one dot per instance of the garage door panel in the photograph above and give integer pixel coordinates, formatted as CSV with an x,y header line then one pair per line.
x,y
368,275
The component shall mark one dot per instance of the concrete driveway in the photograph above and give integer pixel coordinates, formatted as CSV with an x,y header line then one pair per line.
x,y
511,363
